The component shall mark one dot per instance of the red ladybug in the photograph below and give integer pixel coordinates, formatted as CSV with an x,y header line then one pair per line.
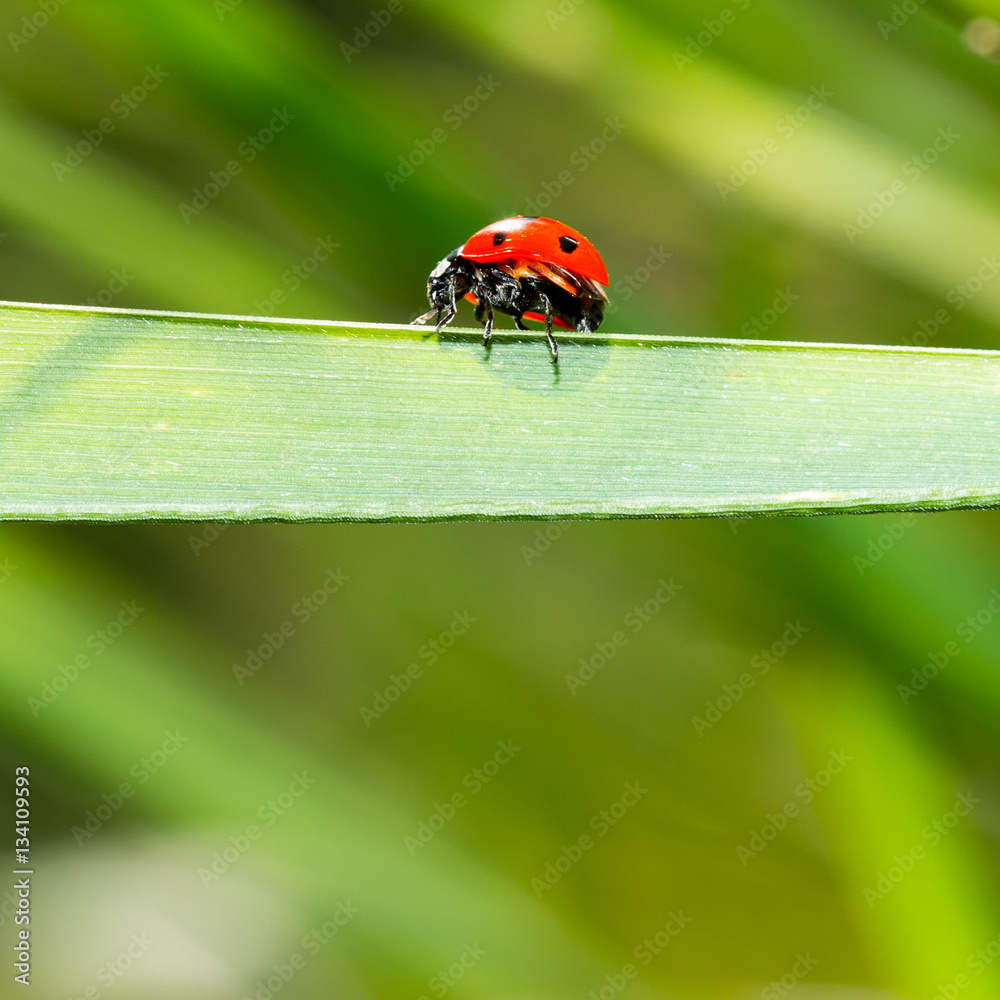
x,y
528,267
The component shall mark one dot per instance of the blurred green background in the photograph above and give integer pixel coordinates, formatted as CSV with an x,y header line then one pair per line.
x,y
660,760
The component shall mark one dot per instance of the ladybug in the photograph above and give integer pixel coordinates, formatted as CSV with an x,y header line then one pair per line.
x,y
528,267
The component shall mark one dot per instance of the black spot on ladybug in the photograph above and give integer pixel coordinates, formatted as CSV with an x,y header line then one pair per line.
x,y
568,243
498,238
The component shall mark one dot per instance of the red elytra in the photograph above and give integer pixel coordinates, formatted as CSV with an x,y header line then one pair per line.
x,y
537,238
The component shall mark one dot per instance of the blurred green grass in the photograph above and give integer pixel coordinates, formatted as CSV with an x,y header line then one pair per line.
x,y
877,594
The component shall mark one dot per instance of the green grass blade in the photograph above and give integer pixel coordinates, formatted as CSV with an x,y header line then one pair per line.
x,y
112,415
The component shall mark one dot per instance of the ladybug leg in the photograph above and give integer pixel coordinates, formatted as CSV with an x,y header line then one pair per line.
x,y
445,316
482,288
553,346
489,322
519,323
